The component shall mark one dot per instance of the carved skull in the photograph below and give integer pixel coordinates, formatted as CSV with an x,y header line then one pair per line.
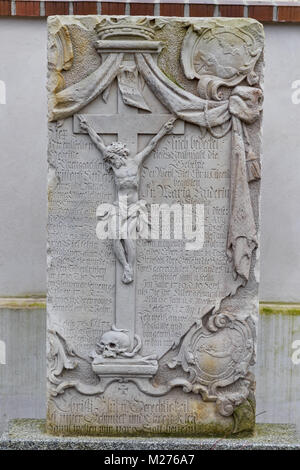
x,y
113,343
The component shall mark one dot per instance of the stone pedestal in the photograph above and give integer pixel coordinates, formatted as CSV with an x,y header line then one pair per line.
x,y
30,435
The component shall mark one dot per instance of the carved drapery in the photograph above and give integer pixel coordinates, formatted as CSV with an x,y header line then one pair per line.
x,y
242,107
71,99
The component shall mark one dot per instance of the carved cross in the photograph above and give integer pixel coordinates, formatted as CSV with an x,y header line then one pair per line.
x,y
128,124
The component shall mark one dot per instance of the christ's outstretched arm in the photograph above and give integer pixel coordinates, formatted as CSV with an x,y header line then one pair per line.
x,y
166,128
93,134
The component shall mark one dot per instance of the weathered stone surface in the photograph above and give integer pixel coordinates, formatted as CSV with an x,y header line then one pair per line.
x,y
153,336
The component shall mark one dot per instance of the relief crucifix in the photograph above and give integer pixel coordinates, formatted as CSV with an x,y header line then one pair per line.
x,y
125,161
126,169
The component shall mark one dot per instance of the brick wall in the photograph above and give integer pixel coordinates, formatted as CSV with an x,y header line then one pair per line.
x,y
264,11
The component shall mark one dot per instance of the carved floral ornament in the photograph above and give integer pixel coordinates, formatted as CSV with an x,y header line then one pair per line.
x,y
222,57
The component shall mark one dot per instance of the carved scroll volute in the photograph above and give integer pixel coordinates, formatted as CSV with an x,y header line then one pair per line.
x,y
60,57
221,56
217,356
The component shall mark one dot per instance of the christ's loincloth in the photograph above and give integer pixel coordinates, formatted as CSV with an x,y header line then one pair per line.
x,y
126,221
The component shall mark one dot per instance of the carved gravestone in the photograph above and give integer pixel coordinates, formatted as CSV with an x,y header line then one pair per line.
x,y
154,173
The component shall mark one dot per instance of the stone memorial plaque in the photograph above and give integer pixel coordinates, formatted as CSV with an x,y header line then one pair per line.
x,y
154,174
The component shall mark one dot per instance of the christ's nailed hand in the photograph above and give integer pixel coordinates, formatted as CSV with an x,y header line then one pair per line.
x,y
170,124
83,122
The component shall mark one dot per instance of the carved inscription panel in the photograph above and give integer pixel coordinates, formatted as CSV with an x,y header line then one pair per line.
x,y
176,286
81,289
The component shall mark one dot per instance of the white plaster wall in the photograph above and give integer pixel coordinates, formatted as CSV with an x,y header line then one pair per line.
x,y
23,372
277,375
280,202
23,162
23,157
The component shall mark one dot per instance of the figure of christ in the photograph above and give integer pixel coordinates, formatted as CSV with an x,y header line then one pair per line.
x,y
126,169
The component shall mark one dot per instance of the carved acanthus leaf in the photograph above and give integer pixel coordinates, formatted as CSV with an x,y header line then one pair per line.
x,y
60,57
60,357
